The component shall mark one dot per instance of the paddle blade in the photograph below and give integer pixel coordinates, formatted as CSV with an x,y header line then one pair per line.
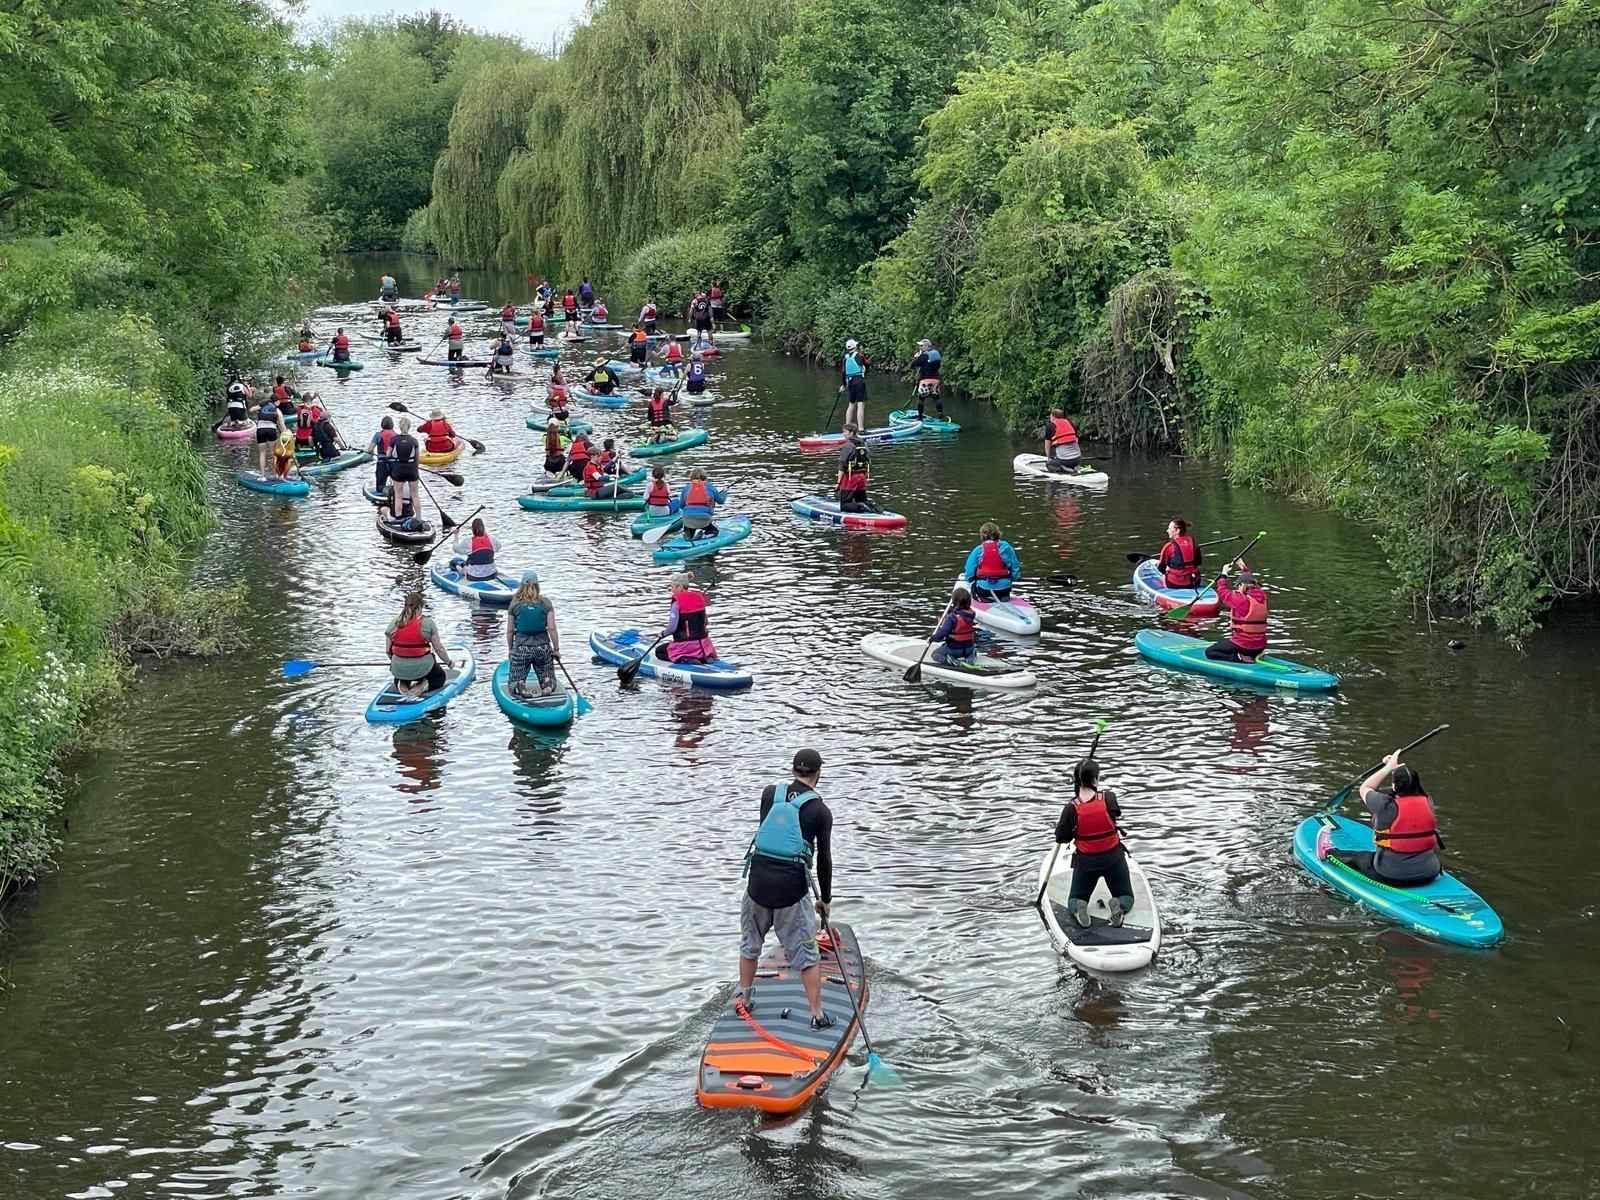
x,y
421,557
297,667
628,670
446,520
398,407
881,1073
477,446
1063,580
913,673
584,707
453,479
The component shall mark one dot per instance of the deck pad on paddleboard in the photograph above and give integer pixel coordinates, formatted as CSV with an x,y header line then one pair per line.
x,y
1102,946
1084,476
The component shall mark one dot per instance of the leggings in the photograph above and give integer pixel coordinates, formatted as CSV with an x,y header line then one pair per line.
x,y
531,650
1361,860
1115,873
1226,650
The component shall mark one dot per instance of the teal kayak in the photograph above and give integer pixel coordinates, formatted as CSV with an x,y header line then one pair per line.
x,y
683,441
257,482
1443,908
332,466
349,364
388,707
537,711
496,592
580,504
645,521
682,547
1189,654
908,416
637,475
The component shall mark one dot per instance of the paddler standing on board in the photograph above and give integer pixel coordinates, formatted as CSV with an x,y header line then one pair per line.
x,y
795,831
853,383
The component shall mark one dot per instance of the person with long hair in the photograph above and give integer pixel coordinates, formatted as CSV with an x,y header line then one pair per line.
x,y
418,659
532,640
1089,823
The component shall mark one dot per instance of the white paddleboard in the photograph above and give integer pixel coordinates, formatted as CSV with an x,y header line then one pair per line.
x,y
1101,947
1015,616
1034,465
989,673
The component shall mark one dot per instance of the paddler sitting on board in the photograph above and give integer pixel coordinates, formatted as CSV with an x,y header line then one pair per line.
x,y
308,340
698,502
658,497
958,632
671,358
1403,827
1061,451
795,830
474,552
418,659
1089,823
1179,560
855,468
578,454
658,413
602,379
598,484
688,627
341,345
1246,601
992,565
441,437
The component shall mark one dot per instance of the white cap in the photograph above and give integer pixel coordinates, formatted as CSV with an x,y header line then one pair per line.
x,y
850,344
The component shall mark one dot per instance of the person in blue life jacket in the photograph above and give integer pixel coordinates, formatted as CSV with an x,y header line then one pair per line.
x,y
474,552
697,502
958,632
795,832
505,356
694,382
853,383
929,386
992,565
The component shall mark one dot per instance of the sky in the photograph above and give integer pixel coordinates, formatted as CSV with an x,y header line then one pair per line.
x,y
536,22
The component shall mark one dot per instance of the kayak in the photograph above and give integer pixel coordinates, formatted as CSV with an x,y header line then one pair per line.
x,y
682,547
683,441
1149,585
986,671
819,508
397,531
644,521
1103,946
1084,476
332,466
908,416
580,504
1443,908
237,432
349,364
536,710
496,592
389,708
457,363
768,1057
440,458
629,645
613,400
257,482
539,418
1016,615
882,433
571,487
1189,654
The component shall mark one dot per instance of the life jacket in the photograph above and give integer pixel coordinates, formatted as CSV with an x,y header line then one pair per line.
x,y
647,313
697,373
505,350
853,368
508,313
1097,832
386,443
1061,432
659,494
990,564
778,836
532,618
658,407
408,641
1183,564
600,377
280,393
535,322
552,443
302,431
853,475
480,551
558,395
674,352
267,415
341,341
569,302
1249,632
697,496
593,477
455,287
691,625
404,447
600,313
701,307
1412,831
639,335
715,293
441,438
454,333
307,345
392,320
579,451
964,628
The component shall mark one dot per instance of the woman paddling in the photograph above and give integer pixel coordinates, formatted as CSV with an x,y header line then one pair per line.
x,y
532,640
1403,829
1179,560
403,473
687,624
1089,823
992,565
1246,602
418,659
475,551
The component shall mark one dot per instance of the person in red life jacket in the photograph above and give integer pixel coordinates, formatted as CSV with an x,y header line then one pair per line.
x,y
671,358
1246,602
475,551
391,328
418,659
1089,823
456,340
305,417
578,455
608,458
698,503
455,288
441,438
1061,450
638,346
599,313
647,316
855,468
406,501
569,305
555,448
508,319
382,447
325,434
1179,560
992,565
658,412
1403,828
958,632
535,328
341,345
658,497
598,484
308,340
556,393
687,625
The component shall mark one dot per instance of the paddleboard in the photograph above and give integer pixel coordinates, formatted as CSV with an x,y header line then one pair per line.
x,y
629,645
1189,654
682,547
388,707
819,508
875,436
396,533
684,441
930,424
332,466
1151,587
987,672
1103,946
1016,615
257,482
1084,476
492,593
540,712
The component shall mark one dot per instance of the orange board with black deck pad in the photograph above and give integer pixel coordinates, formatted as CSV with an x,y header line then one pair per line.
x,y
774,1062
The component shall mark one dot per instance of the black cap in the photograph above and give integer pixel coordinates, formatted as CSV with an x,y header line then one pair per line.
x,y
807,762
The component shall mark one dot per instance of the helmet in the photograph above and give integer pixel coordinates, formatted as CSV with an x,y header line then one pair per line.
x,y
924,344
850,344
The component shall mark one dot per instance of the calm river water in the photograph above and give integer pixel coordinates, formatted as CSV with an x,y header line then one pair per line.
x,y
290,953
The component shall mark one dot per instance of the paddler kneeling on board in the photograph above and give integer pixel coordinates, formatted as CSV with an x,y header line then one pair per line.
x,y
795,830
1246,602
658,412
1061,451
505,356
341,345
958,631
855,466
698,503
308,340
658,499
532,640
1089,823
1403,828
418,659
992,565
687,625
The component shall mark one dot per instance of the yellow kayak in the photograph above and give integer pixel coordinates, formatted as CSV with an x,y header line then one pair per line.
x,y
429,459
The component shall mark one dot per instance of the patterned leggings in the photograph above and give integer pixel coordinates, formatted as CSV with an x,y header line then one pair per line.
x,y
531,650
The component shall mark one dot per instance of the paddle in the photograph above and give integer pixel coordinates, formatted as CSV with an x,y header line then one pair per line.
x,y
1038,901
628,670
584,706
450,477
657,532
399,407
421,557
296,667
829,423
914,671
1340,796
1182,611
1135,557
877,1070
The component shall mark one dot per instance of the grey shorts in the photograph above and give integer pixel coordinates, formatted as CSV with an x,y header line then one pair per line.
x,y
796,927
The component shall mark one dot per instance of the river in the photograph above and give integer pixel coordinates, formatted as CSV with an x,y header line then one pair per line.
x,y
289,953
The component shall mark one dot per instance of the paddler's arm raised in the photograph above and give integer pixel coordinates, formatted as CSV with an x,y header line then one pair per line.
x,y
1378,778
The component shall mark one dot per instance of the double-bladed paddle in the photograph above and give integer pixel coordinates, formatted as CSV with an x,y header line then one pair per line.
x,y
1038,901
399,407
1182,611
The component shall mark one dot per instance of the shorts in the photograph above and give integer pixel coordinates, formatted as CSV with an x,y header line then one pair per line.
x,y
702,324
716,310
536,339
855,389
403,472
927,387
264,436
796,927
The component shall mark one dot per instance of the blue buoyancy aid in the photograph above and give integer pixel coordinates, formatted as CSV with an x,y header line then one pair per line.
x,y
532,618
779,837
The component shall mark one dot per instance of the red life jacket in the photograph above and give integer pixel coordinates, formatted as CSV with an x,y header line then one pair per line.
x,y
392,319
578,452
385,440
990,564
341,341
593,477
408,641
607,457
659,493
648,312
535,322
1097,832
1412,831
697,496
1182,559
1249,632
964,627
441,438
691,616
715,293
1061,432
302,431
658,408
280,393
454,332
480,551
569,302
558,395
674,352
508,313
